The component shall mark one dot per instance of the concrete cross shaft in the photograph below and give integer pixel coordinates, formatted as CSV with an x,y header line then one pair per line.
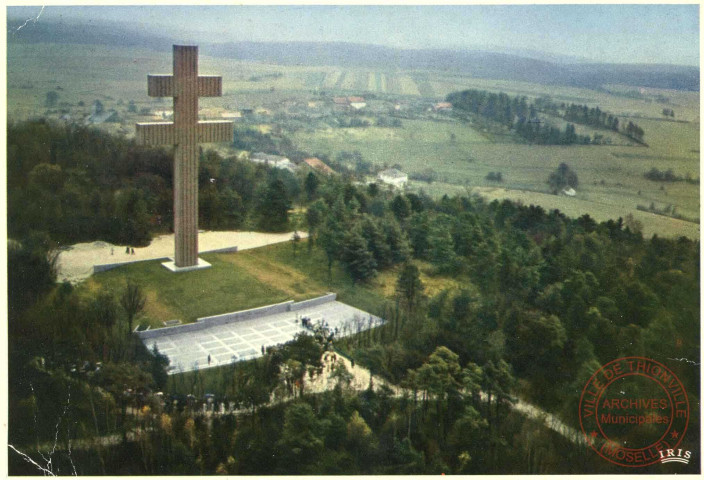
x,y
185,133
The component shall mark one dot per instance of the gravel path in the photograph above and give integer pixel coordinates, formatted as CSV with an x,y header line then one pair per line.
x,y
75,263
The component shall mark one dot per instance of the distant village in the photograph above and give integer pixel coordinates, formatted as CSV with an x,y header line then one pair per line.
x,y
319,112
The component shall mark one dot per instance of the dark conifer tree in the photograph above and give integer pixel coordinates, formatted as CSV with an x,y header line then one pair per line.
x,y
273,208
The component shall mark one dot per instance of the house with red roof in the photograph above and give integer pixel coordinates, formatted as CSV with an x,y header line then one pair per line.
x,y
317,164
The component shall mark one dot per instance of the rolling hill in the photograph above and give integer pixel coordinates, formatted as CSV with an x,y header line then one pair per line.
x,y
479,64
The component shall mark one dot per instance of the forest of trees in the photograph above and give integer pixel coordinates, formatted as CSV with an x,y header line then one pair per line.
x,y
525,303
516,114
79,184
657,175
596,118
521,116
593,117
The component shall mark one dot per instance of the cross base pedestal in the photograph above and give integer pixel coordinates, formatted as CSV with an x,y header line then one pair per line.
x,y
171,265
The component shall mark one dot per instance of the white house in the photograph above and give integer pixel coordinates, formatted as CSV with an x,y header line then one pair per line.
x,y
276,161
393,176
265,158
286,164
357,103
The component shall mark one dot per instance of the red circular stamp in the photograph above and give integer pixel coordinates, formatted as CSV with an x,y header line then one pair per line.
x,y
632,409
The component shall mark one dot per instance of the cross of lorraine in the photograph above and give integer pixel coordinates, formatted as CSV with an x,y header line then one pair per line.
x,y
185,133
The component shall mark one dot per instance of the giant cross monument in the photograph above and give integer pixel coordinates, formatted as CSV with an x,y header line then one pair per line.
x,y
185,133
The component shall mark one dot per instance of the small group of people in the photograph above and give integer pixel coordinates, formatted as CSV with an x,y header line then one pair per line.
x,y
128,251
329,359
330,356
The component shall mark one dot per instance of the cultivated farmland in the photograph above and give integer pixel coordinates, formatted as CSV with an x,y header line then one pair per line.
x,y
611,181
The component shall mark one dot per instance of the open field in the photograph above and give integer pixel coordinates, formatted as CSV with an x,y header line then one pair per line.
x,y
597,208
608,176
416,146
460,154
119,73
685,104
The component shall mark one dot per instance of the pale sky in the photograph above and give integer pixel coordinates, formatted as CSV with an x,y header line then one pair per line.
x,y
603,33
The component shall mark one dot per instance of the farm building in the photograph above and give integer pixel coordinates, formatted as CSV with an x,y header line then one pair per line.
x,y
340,101
393,176
265,158
286,164
164,114
103,117
231,115
356,103
99,115
317,164
442,106
276,161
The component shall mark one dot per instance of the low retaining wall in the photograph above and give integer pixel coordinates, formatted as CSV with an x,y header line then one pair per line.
x,y
313,302
162,332
248,314
222,250
225,318
109,266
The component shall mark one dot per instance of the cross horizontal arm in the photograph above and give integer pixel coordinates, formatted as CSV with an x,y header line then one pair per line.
x,y
215,131
160,85
155,133
209,86
163,86
164,133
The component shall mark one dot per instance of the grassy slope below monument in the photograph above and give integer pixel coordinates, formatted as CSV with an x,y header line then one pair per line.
x,y
239,281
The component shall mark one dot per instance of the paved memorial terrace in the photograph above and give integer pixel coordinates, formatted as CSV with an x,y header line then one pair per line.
x,y
240,336
78,262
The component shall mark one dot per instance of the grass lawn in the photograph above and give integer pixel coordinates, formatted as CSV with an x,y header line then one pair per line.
x,y
238,281
186,297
